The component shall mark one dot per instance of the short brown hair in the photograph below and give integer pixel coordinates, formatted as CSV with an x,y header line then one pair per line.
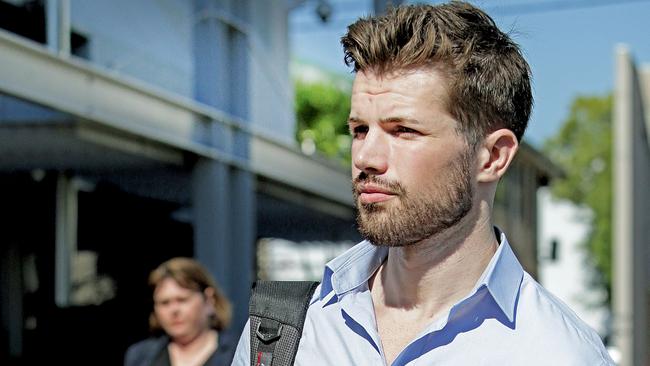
x,y
190,274
488,78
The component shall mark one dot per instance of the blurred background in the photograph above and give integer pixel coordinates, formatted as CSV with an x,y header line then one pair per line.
x,y
136,131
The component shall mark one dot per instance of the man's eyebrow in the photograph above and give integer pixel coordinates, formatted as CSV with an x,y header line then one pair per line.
x,y
386,120
399,120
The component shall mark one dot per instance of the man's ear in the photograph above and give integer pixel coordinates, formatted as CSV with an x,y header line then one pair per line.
x,y
496,154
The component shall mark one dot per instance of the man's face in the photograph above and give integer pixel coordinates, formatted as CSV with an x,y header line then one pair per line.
x,y
411,170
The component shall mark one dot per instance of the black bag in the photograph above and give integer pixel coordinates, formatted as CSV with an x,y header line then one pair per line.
x,y
277,314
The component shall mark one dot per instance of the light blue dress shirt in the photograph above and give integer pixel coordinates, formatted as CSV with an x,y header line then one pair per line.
x,y
507,319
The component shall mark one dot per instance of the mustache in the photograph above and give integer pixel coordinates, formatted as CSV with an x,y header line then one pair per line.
x,y
391,186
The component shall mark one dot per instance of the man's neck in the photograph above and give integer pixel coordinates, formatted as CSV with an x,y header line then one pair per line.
x,y
432,275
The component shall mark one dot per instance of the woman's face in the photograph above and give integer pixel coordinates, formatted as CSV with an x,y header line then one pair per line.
x,y
182,313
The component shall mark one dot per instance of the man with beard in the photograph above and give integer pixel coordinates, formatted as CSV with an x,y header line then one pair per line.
x,y
440,102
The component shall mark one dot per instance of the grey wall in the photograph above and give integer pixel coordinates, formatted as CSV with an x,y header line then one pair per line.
x,y
150,40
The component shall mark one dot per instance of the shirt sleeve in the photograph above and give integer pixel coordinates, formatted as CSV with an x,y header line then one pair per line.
x,y
243,353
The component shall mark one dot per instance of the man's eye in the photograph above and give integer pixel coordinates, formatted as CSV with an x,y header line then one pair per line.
x,y
359,131
402,129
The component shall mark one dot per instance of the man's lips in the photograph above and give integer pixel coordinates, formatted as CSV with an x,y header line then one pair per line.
x,y
374,194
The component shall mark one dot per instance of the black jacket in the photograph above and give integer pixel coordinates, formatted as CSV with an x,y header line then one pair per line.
x,y
145,352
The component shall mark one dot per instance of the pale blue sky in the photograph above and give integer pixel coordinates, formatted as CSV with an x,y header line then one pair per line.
x,y
569,44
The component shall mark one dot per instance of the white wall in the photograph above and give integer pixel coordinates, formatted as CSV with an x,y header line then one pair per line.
x,y
568,277
284,260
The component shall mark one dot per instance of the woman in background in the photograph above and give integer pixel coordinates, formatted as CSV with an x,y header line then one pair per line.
x,y
191,312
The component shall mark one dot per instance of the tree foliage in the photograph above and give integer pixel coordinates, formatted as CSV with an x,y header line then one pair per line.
x,y
583,148
322,111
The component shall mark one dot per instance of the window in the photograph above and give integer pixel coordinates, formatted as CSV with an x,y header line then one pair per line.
x,y
554,250
27,19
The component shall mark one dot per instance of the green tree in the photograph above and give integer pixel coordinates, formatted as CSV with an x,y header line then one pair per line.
x,y
583,148
322,111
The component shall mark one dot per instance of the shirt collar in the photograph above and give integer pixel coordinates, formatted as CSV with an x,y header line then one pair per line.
x,y
352,269
502,276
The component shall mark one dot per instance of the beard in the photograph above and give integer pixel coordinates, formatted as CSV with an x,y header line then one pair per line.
x,y
416,216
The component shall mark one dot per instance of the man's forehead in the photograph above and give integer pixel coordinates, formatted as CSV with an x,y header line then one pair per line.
x,y
423,82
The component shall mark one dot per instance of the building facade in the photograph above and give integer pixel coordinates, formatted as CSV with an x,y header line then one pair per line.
x,y
132,132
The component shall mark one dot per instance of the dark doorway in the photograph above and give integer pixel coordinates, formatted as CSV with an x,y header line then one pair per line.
x,y
126,236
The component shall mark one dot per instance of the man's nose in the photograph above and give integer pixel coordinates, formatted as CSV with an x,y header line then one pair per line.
x,y
370,154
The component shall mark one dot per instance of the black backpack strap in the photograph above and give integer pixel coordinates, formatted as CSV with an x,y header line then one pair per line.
x,y
277,313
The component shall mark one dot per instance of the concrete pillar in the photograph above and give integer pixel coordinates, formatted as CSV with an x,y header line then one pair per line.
x,y
11,297
242,259
65,238
211,218
224,196
57,23
631,211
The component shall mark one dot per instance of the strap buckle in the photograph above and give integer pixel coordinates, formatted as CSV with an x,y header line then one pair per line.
x,y
267,337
